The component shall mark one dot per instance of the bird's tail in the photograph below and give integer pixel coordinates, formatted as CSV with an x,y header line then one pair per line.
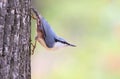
x,y
35,15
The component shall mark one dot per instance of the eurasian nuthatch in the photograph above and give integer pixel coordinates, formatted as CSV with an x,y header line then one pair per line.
x,y
45,35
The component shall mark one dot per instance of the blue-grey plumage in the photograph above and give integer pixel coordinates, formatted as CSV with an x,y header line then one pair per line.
x,y
49,34
46,36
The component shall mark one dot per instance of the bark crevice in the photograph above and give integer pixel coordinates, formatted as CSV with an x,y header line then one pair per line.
x,y
15,39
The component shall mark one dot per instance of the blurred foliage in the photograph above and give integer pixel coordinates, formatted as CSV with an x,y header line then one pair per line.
x,y
94,26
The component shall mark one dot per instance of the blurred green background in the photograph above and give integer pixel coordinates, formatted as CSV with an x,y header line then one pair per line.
x,y
94,26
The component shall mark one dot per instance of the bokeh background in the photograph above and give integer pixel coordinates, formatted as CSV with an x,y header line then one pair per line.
x,y
92,25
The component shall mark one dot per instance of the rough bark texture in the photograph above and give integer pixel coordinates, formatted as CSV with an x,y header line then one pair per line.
x,y
15,39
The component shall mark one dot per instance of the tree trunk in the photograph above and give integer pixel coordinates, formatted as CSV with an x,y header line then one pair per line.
x,y
15,39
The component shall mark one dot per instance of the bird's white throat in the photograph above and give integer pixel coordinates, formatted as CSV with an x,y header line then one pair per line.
x,y
58,45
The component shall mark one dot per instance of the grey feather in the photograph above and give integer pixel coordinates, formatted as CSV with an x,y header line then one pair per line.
x,y
49,34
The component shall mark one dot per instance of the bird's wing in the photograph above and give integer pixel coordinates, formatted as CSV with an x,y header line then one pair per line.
x,y
49,35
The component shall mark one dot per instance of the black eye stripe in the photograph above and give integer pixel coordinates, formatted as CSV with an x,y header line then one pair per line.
x,y
56,40
64,42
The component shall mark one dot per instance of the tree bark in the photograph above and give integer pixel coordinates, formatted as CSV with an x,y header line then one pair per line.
x,y
15,39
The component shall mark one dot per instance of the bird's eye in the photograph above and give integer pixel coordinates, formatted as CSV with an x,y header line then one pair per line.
x,y
56,40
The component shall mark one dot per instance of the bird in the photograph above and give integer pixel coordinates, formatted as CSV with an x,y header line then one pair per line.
x,y
45,34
